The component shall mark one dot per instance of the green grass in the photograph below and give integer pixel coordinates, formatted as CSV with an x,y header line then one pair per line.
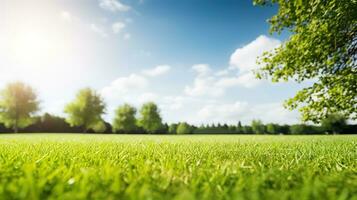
x,y
60,166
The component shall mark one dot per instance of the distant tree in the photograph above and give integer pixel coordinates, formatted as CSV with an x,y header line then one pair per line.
x,y
231,128
239,128
150,119
302,129
247,130
322,47
124,120
258,127
334,123
18,105
54,124
225,127
86,111
213,126
184,128
165,128
173,128
272,128
283,129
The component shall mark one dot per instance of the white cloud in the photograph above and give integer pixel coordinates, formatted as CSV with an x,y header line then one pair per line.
x,y
223,112
246,112
157,71
224,72
117,27
113,5
207,83
124,85
204,86
148,96
98,30
245,58
204,83
247,80
239,74
202,69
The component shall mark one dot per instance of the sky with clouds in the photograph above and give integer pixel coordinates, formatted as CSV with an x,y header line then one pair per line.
x,y
194,58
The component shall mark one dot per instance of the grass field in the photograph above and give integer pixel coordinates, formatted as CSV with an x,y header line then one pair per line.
x,y
60,166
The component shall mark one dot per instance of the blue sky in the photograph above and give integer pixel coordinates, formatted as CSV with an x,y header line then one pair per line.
x,y
193,57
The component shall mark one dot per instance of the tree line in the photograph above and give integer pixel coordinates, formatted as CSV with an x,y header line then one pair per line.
x,y
19,105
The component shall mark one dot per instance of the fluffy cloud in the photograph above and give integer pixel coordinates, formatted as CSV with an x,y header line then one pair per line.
x,y
202,69
99,30
247,80
157,71
239,74
124,85
204,86
204,83
113,5
245,58
117,27
246,112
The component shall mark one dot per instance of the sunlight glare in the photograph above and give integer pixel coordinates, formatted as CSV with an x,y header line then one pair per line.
x,y
35,48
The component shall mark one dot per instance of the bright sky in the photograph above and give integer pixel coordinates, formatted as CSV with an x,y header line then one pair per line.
x,y
192,57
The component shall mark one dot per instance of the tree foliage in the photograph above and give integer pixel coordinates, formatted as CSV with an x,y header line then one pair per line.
x,y
184,128
86,111
272,128
18,104
258,127
124,120
322,48
334,123
150,119
173,128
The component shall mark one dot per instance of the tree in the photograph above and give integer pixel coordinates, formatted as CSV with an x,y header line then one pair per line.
x,y
150,119
258,127
272,128
54,124
173,128
164,128
247,130
18,105
323,48
298,129
334,123
86,111
239,128
283,129
125,121
184,128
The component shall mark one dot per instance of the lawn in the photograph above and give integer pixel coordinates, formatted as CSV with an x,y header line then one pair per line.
x,y
68,166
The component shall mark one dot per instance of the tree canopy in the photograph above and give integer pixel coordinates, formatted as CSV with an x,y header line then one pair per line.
x,y
86,111
150,119
334,123
124,120
18,104
184,128
322,48
173,128
258,127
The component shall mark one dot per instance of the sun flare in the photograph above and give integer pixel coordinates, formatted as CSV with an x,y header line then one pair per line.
x,y
35,48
